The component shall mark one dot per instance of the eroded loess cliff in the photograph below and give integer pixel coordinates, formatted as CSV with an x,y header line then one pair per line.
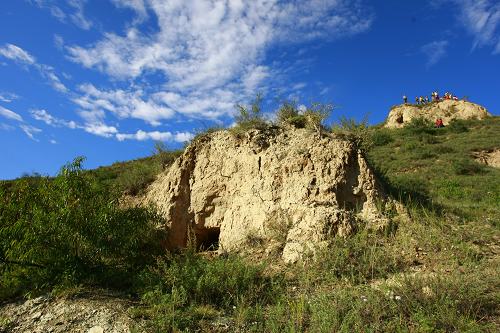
x,y
283,191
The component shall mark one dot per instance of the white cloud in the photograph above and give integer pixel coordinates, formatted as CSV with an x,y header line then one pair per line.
x,y
123,104
141,135
78,17
434,51
47,118
299,86
209,53
139,6
58,42
52,141
324,91
49,73
30,131
6,127
15,53
57,13
7,97
6,113
480,18
100,129
74,11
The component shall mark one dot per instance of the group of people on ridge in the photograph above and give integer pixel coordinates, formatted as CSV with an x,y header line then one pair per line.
x,y
422,100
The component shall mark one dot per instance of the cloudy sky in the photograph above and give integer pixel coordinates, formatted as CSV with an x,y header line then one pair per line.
x,y
107,78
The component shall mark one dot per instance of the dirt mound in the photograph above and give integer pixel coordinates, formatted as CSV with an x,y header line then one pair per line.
x,y
282,192
447,110
89,314
488,157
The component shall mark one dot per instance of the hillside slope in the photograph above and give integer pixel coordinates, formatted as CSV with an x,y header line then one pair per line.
x,y
439,270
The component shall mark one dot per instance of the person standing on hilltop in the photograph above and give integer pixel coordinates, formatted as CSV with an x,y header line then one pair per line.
x,y
416,100
420,100
426,99
405,99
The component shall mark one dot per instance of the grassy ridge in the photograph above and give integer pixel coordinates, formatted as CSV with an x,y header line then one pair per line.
x,y
437,271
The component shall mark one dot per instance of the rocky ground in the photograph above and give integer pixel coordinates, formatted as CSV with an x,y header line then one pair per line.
x,y
488,157
96,313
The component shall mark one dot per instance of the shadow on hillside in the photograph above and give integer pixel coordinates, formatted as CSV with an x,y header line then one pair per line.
x,y
409,191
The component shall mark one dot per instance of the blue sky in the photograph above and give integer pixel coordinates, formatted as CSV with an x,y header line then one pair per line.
x,y
106,78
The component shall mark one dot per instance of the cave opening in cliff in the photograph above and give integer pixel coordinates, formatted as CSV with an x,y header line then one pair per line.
x,y
207,239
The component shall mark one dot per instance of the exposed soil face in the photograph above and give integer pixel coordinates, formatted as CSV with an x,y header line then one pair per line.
x,y
447,110
488,157
278,190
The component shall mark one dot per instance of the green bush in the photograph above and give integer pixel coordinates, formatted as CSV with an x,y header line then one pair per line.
x,y
312,118
298,121
419,126
316,114
356,132
442,149
437,304
179,286
465,166
71,230
163,156
286,112
357,259
457,126
381,138
134,180
250,117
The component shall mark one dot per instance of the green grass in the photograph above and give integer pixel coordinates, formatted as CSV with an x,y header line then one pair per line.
x,y
437,165
132,177
434,271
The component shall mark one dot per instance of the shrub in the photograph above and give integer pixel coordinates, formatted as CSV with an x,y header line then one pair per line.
x,y
313,117
457,126
179,286
357,259
437,304
381,138
443,149
70,230
356,132
465,166
316,114
419,126
287,111
135,179
163,156
251,117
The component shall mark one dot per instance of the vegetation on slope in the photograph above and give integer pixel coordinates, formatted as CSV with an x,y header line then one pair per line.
x,y
438,271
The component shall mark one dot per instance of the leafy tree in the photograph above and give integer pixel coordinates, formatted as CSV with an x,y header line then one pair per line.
x,y
70,229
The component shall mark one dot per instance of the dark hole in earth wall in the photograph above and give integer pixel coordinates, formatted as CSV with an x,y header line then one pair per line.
x,y
207,239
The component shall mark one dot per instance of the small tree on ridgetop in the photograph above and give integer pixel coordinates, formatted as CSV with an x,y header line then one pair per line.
x,y
316,114
251,117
